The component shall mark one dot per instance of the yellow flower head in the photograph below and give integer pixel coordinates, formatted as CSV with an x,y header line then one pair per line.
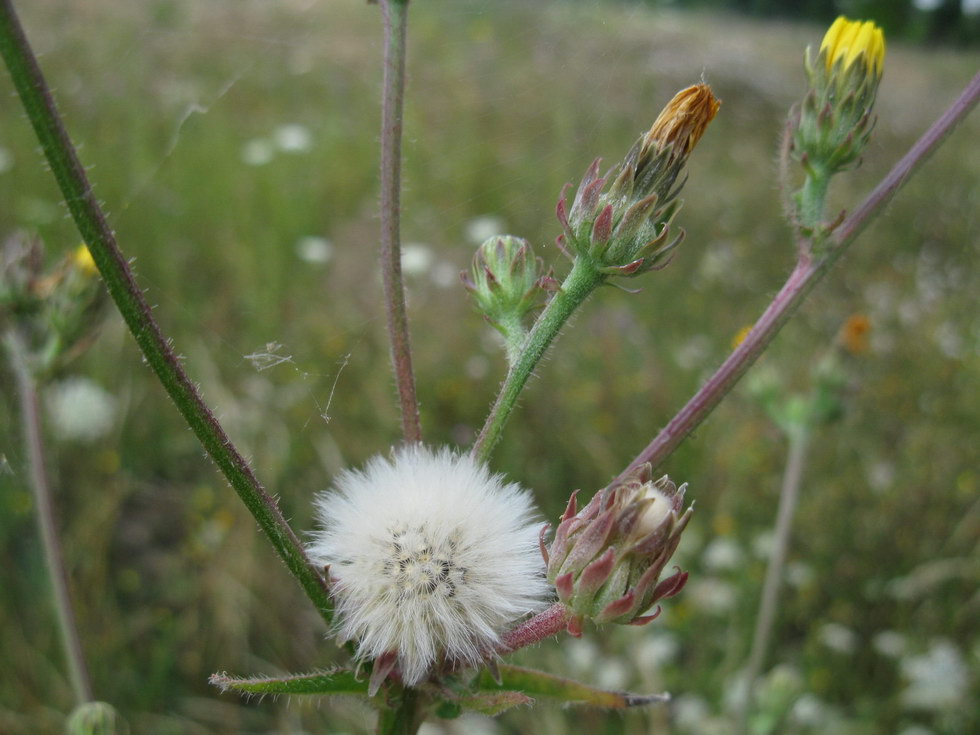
x,y
684,120
847,41
81,258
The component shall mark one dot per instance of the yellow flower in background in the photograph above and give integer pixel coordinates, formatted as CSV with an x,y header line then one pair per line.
x,y
81,258
854,335
847,40
740,335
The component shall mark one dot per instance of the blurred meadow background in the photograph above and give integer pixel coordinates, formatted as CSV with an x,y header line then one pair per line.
x,y
235,146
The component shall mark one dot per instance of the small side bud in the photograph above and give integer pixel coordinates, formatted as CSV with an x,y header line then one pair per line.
x,y
606,560
95,718
508,282
621,223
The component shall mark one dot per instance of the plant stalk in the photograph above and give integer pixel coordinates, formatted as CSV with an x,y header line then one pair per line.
x,y
768,603
800,282
128,297
581,281
54,558
406,717
394,15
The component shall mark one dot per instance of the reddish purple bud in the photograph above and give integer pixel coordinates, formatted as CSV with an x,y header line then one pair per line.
x,y
596,573
644,619
564,586
383,666
670,586
602,227
617,608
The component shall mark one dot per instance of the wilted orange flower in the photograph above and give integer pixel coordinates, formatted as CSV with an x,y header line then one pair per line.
x,y
684,120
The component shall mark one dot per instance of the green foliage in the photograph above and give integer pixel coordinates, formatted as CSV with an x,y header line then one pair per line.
x,y
505,107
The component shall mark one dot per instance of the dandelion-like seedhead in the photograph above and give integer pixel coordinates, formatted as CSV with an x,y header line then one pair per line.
x,y
430,556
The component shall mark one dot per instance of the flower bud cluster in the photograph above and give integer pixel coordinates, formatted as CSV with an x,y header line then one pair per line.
x,y
606,560
508,282
835,119
624,229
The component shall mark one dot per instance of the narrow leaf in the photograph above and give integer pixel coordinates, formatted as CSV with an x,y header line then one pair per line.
x,y
494,703
540,684
340,681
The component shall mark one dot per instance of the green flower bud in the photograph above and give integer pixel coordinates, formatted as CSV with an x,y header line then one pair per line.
x,y
508,282
95,718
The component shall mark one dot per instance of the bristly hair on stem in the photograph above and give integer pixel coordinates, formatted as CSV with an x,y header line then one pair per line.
x,y
394,15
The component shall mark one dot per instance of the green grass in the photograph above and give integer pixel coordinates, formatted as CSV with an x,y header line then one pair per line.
x,y
507,103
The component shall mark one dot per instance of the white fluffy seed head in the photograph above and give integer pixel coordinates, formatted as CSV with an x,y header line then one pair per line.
x,y
430,557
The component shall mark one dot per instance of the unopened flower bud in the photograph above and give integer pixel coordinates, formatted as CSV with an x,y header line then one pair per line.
x,y
623,229
95,718
835,119
508,282
606,560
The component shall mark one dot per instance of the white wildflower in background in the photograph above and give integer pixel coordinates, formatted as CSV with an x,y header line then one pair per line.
x,y
484,227
939,679
258,152
314,250
889,643
417,258
838,638
722,555
430,558
293,138
80,410
6,160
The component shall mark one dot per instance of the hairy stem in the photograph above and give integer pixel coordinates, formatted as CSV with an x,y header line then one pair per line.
x,y
394,14
801,281
788,496
543,625
128,297
406,717
581,281
54,558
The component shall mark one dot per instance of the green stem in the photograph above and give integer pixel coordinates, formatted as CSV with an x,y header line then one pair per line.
x,y
54,558
813,198
768,604
160,356
578,285
404,719
394,15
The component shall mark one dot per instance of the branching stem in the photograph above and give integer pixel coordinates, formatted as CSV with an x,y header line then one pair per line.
x,y
801,281
121,284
